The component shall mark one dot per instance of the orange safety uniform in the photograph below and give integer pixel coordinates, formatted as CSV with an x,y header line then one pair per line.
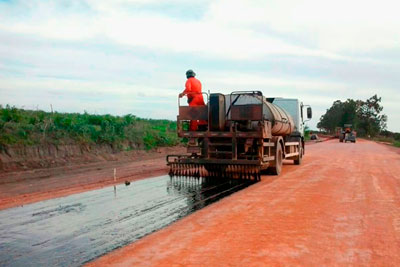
x,y
195,98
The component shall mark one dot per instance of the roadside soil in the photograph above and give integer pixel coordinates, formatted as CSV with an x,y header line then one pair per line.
x,y
23,187
341,207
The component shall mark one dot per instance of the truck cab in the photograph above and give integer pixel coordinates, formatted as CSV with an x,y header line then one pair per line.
x,y
296,109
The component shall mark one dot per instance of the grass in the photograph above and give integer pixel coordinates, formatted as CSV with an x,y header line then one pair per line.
x,y
389,140
307,135
28,127
384,139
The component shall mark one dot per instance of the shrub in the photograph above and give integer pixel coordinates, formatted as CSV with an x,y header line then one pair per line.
x,y
29,127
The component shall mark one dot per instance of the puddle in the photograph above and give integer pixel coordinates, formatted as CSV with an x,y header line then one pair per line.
x,y
73,230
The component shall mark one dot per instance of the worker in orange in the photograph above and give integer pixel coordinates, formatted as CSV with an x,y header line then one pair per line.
x,y
194,95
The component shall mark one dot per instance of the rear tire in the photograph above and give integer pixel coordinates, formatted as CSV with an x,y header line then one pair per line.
x,y
277,165
299,158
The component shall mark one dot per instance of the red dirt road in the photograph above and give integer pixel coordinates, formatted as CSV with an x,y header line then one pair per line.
x,y
340,207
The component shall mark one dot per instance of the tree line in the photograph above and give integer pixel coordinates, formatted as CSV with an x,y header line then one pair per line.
x,y
365,116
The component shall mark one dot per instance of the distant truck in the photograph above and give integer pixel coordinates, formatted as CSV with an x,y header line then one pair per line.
x,y
245,134
347,134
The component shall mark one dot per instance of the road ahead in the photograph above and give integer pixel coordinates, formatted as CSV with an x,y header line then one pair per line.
x,y
340,207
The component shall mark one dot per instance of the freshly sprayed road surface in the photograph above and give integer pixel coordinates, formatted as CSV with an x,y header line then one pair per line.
x,y
72,230
341,207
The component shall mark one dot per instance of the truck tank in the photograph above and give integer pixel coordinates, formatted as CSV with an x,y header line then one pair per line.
x,y
282,123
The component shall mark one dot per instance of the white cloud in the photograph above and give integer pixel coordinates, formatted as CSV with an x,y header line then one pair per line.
x,y
83,88
326,42
94,97
209,36
229,29
336,26
259,80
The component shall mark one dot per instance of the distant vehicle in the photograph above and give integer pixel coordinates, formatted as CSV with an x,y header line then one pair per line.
x,y
348,134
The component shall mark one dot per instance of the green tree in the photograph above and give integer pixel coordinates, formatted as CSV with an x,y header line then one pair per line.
x,y
365,116
372,122
338,114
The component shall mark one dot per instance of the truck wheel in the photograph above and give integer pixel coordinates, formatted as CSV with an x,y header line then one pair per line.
x,y
276,168
299,158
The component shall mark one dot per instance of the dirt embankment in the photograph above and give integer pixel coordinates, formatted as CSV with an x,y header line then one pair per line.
x,y
21,157
75,171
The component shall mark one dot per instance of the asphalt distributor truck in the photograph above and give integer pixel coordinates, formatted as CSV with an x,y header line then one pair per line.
x,y
245,134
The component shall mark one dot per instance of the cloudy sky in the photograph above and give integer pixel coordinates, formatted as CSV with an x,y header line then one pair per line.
x,y
130,56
